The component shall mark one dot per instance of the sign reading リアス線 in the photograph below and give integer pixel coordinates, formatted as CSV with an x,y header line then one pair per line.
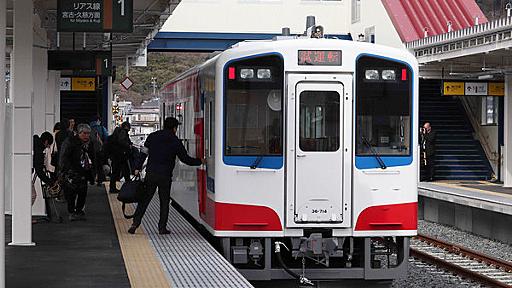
x,y
95,16
80,15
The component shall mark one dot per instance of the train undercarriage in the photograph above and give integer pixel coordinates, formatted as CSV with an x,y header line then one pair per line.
x,y
318,257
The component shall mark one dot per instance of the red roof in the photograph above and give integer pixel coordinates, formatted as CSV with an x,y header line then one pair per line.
x,y
411,17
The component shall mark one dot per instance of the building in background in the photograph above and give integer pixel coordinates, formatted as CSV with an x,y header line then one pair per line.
x,y
144,120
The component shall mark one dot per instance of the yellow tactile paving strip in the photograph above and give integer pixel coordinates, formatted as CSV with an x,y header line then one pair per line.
x,y
142,264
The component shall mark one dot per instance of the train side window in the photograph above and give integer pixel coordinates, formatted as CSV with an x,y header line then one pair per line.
x,y
319,121
383,107
211,128
181,113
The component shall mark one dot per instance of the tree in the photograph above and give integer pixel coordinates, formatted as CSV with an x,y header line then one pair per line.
x,y
162,66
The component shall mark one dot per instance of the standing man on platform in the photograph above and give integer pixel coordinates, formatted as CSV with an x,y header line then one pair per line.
x,y
162,147
119,150
76,168
428,149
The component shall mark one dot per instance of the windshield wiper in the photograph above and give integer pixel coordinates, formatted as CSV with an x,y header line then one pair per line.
x,y
377,156
257,162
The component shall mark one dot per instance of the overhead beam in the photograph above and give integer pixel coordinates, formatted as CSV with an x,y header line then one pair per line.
x,y
208,42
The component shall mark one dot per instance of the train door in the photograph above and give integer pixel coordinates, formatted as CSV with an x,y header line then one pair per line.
x,y
321,174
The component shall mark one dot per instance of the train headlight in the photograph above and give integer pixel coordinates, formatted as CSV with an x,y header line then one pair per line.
x,y
246,73
371,74
264,74
388,75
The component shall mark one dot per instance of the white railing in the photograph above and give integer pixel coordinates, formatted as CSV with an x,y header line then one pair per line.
x,y
491,27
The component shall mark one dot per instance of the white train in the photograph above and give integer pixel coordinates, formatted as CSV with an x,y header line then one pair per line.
x,y
309,144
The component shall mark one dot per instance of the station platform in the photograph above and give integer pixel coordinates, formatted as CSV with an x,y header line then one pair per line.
x,y
480,207
70,254
99,252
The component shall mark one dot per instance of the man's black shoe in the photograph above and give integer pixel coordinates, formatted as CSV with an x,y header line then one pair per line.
x,y
73,217
163,231
132,229
113,191
81,215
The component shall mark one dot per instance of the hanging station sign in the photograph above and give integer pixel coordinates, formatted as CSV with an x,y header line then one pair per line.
x,y
475,88
95,16
459,88
78,84
83,84
65,84
453,88
99,61
497,89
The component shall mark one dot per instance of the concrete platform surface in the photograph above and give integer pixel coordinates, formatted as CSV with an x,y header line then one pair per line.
x,y
70,254
477,194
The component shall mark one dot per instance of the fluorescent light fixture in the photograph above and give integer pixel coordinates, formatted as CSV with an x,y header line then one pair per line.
x,y
485,77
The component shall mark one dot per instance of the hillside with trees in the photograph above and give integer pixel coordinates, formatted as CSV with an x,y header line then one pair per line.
x,y
162,66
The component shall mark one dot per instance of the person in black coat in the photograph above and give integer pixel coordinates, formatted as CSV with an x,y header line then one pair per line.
x,y
161,147
40,144
76,168
62,134
120,147
428,149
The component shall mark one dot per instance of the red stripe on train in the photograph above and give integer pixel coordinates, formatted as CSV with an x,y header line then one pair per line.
x,y
389,217
239,217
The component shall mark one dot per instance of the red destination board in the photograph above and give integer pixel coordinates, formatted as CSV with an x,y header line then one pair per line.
x,y
320,57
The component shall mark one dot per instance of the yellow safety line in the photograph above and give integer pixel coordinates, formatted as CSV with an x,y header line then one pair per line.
x,y
456,185
142,264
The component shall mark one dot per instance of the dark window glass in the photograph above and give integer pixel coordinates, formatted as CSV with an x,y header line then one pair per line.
x,y
253,107
319,121
383,107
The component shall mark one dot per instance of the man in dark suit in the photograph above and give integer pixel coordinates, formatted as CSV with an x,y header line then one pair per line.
x,y
428,149
161,147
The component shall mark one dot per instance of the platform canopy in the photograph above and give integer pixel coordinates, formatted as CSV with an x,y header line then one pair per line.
x,y
148,18
209,42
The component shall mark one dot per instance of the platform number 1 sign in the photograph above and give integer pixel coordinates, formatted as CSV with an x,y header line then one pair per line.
x,y
121,2
122,15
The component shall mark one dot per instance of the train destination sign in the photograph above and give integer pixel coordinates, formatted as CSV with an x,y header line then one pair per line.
x,y
95,16
320,57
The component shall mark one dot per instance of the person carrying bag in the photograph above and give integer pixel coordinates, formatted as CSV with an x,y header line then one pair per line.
x,y
131,192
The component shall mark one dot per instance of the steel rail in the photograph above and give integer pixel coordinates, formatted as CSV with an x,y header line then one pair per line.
x,y
467,253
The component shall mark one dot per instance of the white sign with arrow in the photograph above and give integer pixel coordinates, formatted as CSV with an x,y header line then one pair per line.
x,y
476,88
65,84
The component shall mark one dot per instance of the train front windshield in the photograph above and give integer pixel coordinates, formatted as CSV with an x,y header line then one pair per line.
x,y
383,107
253,107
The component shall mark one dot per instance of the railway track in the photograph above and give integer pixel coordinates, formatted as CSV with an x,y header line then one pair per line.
x,y
462,261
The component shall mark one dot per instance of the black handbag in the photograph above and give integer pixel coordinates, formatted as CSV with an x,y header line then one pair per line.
x,y
131,192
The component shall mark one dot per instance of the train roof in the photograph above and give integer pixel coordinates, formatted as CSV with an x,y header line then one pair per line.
x,y
356,47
